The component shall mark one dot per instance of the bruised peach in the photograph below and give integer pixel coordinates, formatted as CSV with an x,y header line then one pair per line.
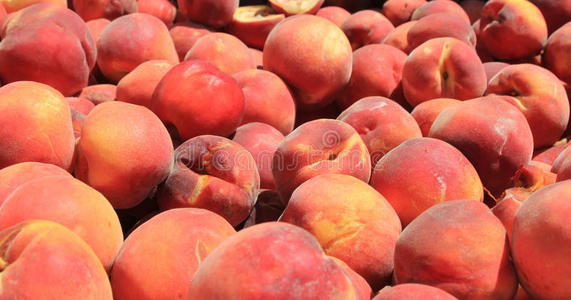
x,y
412,291
108,9
296,7
138,86
426,112
336,14
216,14
440,25
185,34
161,9
400,11
366,27
440,6
99,93
557,53
252,24
398,37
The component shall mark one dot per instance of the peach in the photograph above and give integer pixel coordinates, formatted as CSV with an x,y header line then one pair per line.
x,y
184,91
400,11
493,134
377,71
460,247
317,62
505,23
214,173
108,9
252,24
443,68
336,14
35,125
560,159
57,264
11,6
481,49
14,176
296,7
99,93
351,221
223,50
268,208
119,52
505,210
161,9
275,261
317,147
49,44
557,53
138,86
549,155
267,99
562,165
96,26
122,144
363,289
412,291
216,14
366,27
440,25
556,12
426,112
81,105
159,258
440,6
261,140
72,203
382,124
539,95
540,223
398,37
185,34
493,67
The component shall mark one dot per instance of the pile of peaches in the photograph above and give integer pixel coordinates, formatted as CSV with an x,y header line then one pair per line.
x,y
285,149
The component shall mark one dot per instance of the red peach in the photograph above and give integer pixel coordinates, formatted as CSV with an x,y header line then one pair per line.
x,y
185,34
81,105
426,112
138,86
549,155
108,9
14,176
366,27
440,25
557,53
360,284
440,6
216,14
336,14
400,11
161,9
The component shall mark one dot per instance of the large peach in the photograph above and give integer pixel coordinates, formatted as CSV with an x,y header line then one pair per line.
x,y
138,86
187,88
162,9
274,261
556,12
443,68
296,7
426,112
316,63
351,221
413,291
108,9
185,34
216,14
439,6
252,24
440,25
336,14
124,152
35,125
366,27
44,260
557,53
159,258
214,173
541,242
131,40
460,247
400,11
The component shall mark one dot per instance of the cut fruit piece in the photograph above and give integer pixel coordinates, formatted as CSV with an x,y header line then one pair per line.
x,y
253,23
296,7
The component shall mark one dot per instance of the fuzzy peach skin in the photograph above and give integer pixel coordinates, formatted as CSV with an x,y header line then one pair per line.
x,y
541,242
460,247
15,5
223,50
252,24
99,93
162,9
400,11
216,14
351,221
214,173
159,258
316,63
398,37
412,291
119,52
274,261
539,95
439,6
426,112
366,27
261,140
124,152
557,53
441,25
437,170
72,203
377,71
138,86
363,289
336,14
185,34
322,146
492,133
35,125
44,260
187,88
49,44
556,12
108,9
505,23
14,176
382,124
493,67
443,68
296,7
267,99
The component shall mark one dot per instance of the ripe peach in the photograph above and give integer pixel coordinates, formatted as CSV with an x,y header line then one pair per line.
x,y
549,155
557,53
398,37
11,6
440,6
351,221
366,27
412,291
539,95
214,173
15,175
185,34
317,62
505,23
382,124
252,24
562,165
460,247
108,9
493,67
443,68
363,288
259,254
138,86
540,223
35,125
556,12
400,11
336,14
296,7
216,14
426,112
119,52
159,258
186,88
124,152
57,264
99,93
161,9
440,25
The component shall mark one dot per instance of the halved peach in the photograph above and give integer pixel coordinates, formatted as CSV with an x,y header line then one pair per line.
x,y
296,7
252,24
